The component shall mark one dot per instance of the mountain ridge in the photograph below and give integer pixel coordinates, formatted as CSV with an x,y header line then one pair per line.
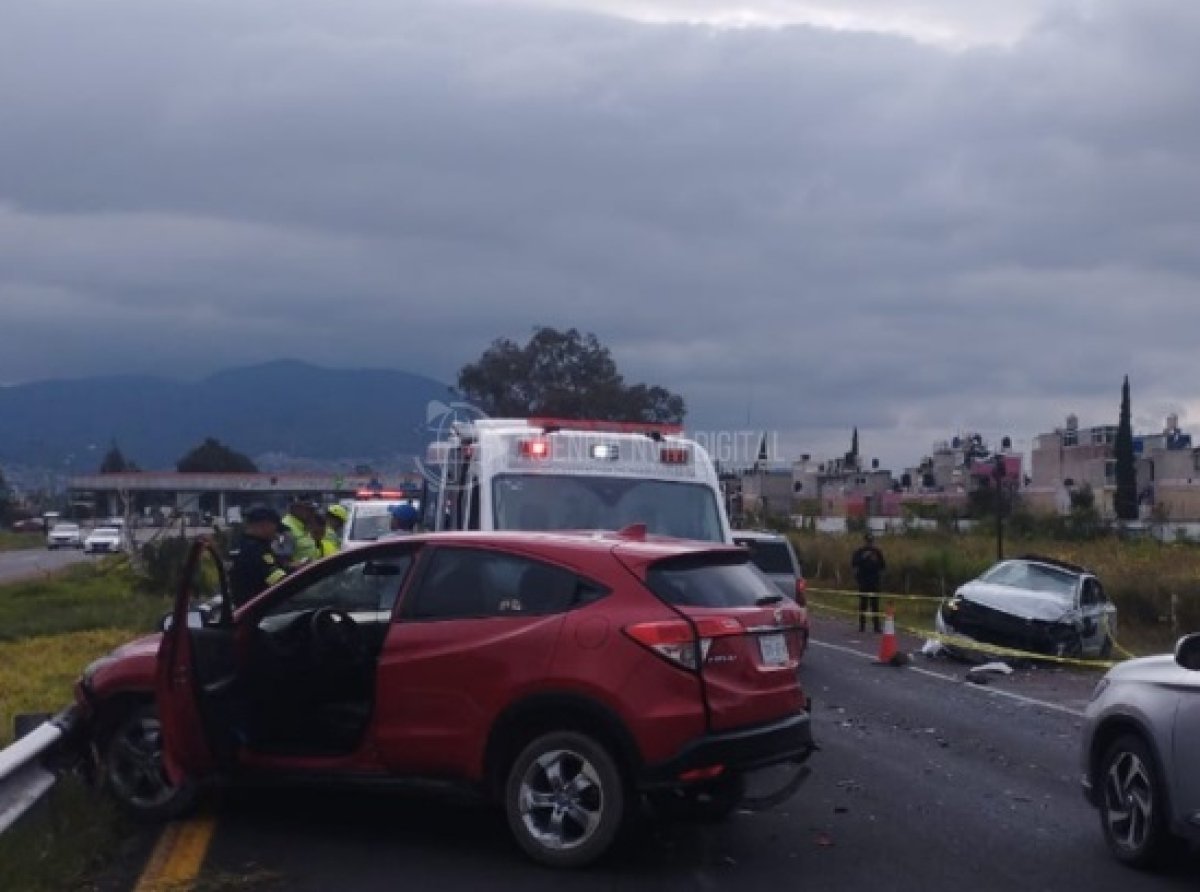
x,y
281,406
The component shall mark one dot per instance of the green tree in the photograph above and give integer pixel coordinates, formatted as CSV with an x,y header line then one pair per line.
x,y
115,461
562,374
1125,499
214,456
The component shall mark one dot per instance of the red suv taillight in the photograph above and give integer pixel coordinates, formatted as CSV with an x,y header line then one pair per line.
x,y
802,592
674,640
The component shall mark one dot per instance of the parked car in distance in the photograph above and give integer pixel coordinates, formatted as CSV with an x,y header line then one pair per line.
x,y
773,554
1141,764
1035,604
103,540
29,525
369,520
775,558
64,535
563,676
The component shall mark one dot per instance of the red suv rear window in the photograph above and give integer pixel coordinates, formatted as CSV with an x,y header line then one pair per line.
x,y
720,580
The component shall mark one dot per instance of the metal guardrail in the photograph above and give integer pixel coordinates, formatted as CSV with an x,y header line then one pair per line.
x,y
27,769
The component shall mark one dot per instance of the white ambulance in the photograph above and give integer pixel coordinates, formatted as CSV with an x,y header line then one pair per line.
x,y
551,474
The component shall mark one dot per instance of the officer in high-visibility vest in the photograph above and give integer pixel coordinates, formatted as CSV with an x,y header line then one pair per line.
x,y
255,566
298,544
336,517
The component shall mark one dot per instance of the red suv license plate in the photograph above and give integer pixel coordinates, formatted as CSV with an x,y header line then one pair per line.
x,y
774,650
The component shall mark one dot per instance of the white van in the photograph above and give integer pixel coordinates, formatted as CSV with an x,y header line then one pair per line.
x,y
550,474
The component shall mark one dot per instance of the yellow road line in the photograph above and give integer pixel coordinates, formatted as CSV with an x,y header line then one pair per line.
x,y
175,862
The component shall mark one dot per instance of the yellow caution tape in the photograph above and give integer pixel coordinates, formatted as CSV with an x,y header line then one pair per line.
x,y
979,646
843,593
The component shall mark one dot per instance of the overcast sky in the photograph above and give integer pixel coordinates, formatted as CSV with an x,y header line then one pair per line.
x,y
914,216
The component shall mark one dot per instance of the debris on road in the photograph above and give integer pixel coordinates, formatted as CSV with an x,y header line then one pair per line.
x,y
997,667
982,673
933,649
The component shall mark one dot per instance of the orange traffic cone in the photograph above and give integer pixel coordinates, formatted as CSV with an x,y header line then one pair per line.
x,y
887,644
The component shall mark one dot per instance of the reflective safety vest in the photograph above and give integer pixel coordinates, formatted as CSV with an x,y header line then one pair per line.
x,y
302,545
330,544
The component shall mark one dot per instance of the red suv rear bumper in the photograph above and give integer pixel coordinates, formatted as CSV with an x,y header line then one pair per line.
x,y
788,740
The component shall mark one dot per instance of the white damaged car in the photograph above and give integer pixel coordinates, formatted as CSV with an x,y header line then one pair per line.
x,y
1034,604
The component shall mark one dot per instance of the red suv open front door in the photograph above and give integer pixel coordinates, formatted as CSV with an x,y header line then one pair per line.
x,y
186,752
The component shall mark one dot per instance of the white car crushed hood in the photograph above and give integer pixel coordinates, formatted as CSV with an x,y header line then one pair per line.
x,y
1016,601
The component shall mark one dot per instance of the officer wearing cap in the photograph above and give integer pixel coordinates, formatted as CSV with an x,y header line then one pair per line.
x,y
255,566
404,520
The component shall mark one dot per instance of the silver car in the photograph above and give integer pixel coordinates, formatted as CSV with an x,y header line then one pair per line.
x,y
774,556
1141,761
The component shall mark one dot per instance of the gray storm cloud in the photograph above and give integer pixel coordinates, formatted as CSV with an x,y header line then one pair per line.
x,y
799,228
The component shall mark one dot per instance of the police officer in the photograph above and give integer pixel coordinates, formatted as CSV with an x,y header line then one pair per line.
x,y
320,534
335,524
404,520
299,546
868,566
255,566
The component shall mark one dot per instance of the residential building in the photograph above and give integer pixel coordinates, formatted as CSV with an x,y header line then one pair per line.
x,y
1070,458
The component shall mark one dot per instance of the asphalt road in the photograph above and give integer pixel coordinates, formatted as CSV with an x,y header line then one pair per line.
x,y
16,565
923,783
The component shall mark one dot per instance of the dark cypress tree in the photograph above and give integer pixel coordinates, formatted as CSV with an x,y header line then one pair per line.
x,y
1125,501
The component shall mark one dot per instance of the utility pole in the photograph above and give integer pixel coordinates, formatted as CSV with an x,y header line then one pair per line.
x,y
998,472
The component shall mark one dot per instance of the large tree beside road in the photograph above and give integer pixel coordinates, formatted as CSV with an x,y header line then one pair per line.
x,y
213,456
562,374
1125,499
115,461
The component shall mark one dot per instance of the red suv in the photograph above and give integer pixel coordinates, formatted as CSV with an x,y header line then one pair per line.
x,y
563,675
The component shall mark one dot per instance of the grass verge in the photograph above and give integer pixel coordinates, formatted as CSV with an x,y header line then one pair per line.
x,y
63,842
10,541
36,675
50,629
103,595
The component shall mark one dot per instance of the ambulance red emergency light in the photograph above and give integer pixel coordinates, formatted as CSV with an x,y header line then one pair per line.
x,y
552,474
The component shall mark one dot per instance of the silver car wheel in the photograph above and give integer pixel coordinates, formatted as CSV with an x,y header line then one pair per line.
x,y
1129,802
561,800
135,765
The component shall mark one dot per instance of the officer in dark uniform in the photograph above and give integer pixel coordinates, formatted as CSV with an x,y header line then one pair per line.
x,y
255,566
868,565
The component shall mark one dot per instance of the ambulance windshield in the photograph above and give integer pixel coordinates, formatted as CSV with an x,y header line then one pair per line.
x,y
686,510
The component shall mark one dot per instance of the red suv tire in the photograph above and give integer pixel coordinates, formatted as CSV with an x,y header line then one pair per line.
x,y
565,799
